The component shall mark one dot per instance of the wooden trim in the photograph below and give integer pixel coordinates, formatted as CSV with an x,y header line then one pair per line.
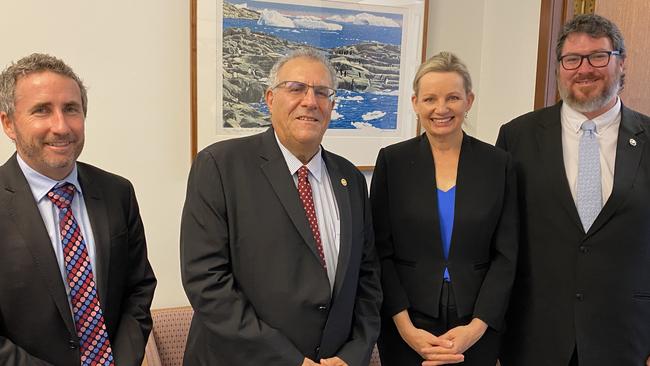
x,y
553,15
543,48
549,23
584,7
193,82
425,30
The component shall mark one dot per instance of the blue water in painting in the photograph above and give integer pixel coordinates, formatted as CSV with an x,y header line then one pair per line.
x,y
380,109
349,35
352,106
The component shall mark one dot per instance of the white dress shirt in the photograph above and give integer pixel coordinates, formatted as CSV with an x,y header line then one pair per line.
x,y
40,185
327,211
607,125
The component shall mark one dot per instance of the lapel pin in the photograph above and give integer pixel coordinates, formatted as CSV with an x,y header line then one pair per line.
x,y
632,142
344,182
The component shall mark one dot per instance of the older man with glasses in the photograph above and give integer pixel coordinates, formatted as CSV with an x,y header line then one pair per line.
x,y
277,249
582,291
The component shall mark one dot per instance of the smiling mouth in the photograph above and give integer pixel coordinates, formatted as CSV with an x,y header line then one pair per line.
x,y
307,118
588,81
441,120
59,143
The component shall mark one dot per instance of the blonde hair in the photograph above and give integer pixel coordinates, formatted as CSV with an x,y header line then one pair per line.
x,y
443,62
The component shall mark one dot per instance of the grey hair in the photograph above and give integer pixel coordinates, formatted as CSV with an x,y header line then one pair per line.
x,y
306,52
595,26
443,62
34,63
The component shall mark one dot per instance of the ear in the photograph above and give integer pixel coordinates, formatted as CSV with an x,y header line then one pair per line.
x,y
8,125
470,100
268,97
414,100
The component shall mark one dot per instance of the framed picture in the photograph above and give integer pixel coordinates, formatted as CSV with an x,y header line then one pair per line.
x,y
375,47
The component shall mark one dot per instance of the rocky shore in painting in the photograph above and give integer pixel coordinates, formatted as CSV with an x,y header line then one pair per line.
x,y
367,67
247,57
232,11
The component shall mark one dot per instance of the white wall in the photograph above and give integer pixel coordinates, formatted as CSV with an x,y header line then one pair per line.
x,y
134,57
497,39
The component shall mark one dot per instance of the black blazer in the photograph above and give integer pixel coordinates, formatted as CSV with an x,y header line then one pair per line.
x,y
250,267
407,230
591,289
36,325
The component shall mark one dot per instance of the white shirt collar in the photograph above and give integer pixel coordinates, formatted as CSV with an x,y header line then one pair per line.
x,y
574,119
315,164
40,184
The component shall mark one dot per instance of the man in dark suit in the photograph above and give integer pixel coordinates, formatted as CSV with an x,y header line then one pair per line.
x,y
582,291
277,249
75,282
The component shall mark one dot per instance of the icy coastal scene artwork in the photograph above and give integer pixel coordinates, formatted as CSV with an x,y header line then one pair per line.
x,y
363,46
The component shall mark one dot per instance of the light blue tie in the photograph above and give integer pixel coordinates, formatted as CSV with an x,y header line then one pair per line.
x,y
589,193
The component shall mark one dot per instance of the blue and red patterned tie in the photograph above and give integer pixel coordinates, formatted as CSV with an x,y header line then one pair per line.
x,y
94,345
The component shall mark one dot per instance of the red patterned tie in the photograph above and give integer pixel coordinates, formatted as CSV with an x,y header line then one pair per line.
x,y
304,189
94,345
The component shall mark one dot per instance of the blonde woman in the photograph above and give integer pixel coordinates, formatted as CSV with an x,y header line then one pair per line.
x,y
446,230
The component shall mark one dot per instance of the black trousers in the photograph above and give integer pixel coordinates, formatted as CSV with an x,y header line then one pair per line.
x,y
574,358
393,351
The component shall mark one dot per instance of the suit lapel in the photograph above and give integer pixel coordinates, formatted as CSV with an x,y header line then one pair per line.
x,y
276,171
464,183
628,159
425,187
342,194
27,218
96,208
549,142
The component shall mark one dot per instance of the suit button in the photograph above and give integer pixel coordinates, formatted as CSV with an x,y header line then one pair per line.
x,y
72,344
583,249
317,350
579,296
322,308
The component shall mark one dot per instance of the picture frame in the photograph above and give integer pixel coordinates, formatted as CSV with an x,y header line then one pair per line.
x,y
375,47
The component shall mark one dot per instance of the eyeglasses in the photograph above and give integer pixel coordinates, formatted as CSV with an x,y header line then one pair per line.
x,y
596,59
299,89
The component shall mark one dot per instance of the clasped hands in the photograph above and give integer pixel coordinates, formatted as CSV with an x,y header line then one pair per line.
x,y
447,348
334,361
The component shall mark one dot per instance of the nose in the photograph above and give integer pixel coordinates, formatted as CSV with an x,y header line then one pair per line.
x,y
60,124
585,66
309,100
441,107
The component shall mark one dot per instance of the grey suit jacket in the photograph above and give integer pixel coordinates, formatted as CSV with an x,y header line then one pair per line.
x,y
36,325
250,267
574,288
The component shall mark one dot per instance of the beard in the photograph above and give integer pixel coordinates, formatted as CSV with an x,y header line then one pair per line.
x,y
592,103
32,150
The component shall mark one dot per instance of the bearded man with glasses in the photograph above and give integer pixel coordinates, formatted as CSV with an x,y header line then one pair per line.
x,y
582,291
277,245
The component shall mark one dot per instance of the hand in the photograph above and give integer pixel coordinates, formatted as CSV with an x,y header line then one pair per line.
x,y
440,352
647,362
334,361
420,340
308,362
464,337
